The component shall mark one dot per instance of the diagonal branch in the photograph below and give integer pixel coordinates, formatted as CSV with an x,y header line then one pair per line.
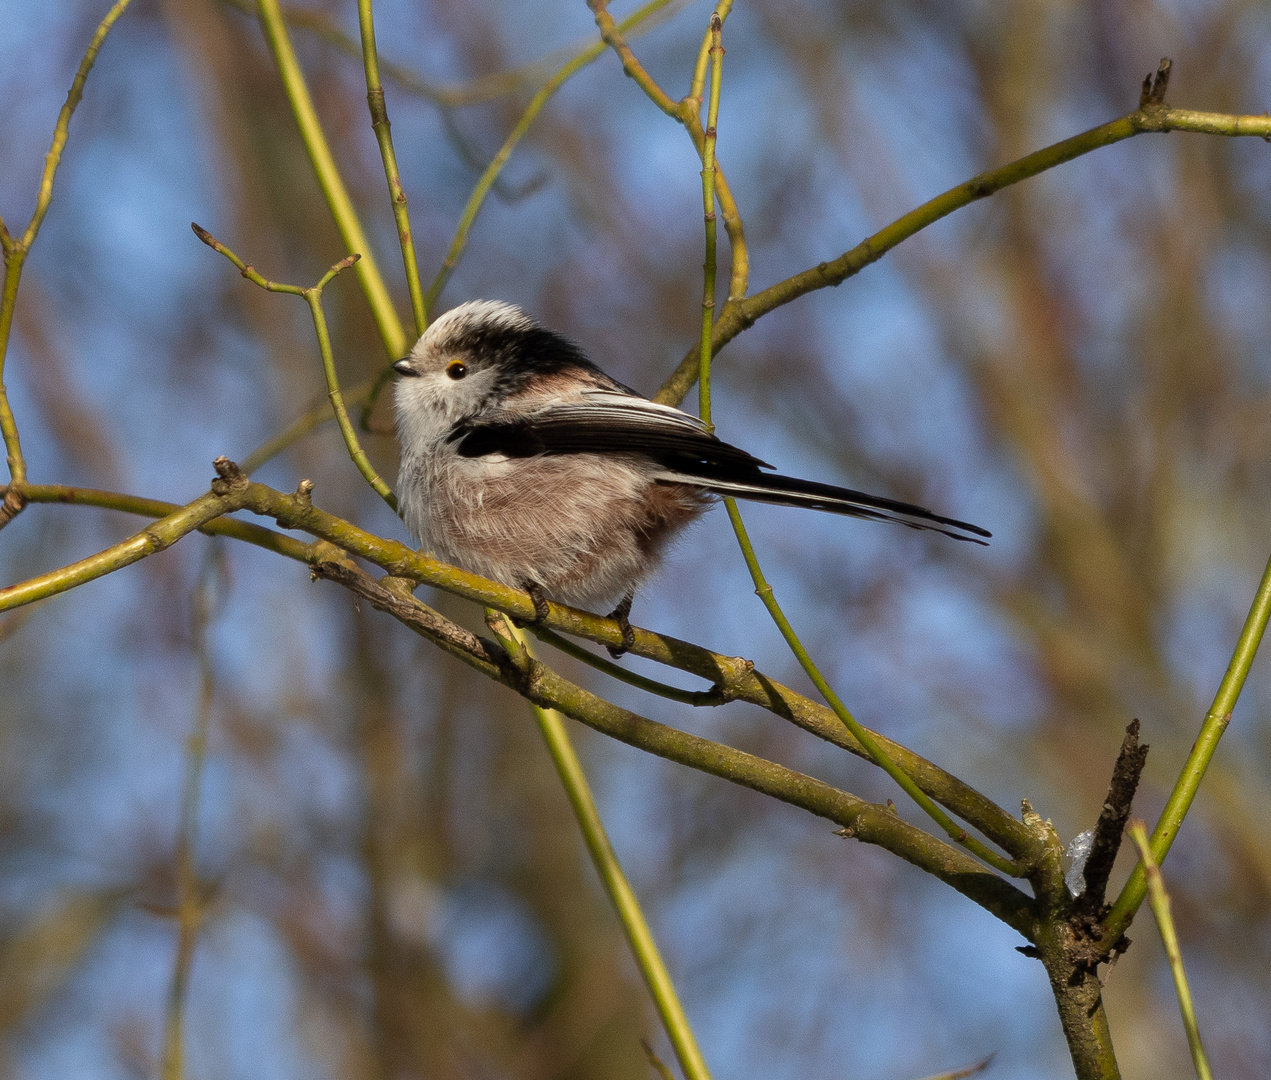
x,y
16,250
542,686
737,677
225,497
731,678
1153,116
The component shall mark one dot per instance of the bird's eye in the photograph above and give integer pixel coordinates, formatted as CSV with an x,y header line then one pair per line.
x,y
456,369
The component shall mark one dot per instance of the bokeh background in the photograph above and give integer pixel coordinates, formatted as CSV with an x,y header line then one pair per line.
x,y
396,886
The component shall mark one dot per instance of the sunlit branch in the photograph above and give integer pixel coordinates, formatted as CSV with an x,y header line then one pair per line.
x,y
1159,901
224,498
686,111
544,687
312,295
16,250
1202,753
383,135
731,678
622,897
391,331
247,531
737,316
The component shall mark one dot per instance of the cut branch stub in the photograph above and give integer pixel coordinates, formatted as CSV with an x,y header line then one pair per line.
x,y
1111,825
1155,85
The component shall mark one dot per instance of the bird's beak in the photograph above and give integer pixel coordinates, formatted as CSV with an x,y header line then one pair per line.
x,y
402,367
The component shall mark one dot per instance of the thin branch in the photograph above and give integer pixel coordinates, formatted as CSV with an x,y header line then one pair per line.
x,y
686,111
16,250
190,902
717,695
391,331
622,897
1159,901
739,315
716,54
247,531
313,297
383,135
224,498
1202,753
962,1074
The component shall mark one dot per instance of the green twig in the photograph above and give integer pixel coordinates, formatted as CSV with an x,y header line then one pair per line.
x,y
190,903
383,135
1158,900
313,297
1202,753
862,734
328,175
686,111
738,315
762,588
716,53
482,189
621,896
716,695
224,498
247,531
16,249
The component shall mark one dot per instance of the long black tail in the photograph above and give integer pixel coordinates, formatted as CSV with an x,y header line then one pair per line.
x,y
791,491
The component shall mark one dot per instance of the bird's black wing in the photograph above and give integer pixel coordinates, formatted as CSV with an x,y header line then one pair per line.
x,y
605,422
610,422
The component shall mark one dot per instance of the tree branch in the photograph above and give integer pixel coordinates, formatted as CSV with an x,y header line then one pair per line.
x,y
224,498
731,678
739,315
542,686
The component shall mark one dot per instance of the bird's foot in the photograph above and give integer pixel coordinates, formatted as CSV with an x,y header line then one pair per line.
x,y
620,614
541,610
540,601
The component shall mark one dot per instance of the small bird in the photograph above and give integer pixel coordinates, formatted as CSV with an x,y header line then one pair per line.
x,y
524,462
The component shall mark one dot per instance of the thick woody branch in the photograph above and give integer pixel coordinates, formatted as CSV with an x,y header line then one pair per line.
x,y
539,684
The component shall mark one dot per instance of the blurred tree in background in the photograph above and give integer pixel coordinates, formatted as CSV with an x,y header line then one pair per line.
x,y
390,878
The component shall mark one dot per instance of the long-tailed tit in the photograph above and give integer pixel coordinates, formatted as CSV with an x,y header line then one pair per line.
x,y
524,462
